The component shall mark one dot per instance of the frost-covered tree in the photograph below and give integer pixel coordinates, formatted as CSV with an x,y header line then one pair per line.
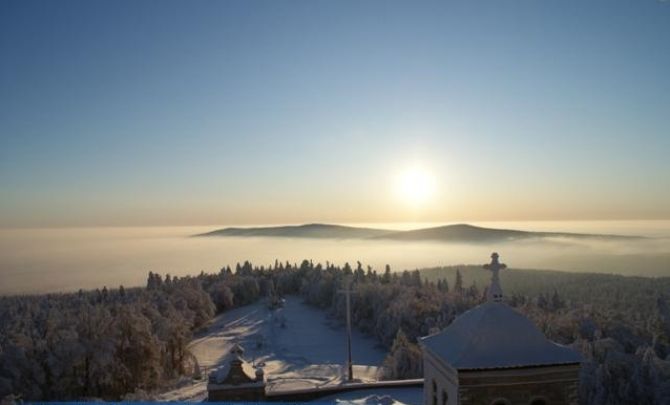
x,y
404,359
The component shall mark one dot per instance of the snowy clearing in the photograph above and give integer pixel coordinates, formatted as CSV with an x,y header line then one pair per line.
x,y
298,346
383,396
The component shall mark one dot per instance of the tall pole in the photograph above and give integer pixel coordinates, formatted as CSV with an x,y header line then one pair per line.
x,y
347,292
349,363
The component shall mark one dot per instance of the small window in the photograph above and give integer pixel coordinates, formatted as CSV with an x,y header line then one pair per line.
x,y
538,401
434,393
445,397
500,401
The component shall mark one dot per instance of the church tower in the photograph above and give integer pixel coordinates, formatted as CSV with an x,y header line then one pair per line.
x,y
494,355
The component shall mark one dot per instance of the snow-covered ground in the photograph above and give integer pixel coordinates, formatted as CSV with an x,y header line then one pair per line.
x,y
383,396
298,346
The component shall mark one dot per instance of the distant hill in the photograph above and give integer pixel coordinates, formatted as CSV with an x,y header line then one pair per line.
x,y
447,233
471,233
320,231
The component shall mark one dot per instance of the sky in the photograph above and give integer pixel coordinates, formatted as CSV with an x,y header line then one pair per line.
x,y
268,112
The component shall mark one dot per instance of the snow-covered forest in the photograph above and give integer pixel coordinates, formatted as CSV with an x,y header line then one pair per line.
x,y
110,343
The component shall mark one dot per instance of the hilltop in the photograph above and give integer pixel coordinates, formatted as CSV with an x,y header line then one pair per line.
x,y
322,231
446,233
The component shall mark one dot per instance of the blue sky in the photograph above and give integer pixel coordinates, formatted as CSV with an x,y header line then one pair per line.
x,y
216,112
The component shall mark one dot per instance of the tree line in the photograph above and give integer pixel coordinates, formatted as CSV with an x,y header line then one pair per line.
x,y
110,343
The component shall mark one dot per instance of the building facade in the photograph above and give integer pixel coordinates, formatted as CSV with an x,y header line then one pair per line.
x,y
494,355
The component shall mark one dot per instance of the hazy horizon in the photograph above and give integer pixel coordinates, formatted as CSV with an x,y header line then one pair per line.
x,y
630,227
67,259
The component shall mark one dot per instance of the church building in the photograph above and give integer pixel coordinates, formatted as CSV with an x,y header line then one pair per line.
x,y
494,355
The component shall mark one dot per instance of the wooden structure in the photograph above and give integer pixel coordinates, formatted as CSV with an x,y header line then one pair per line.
x,y
236,380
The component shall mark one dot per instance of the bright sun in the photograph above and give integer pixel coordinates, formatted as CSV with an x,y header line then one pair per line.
x,y
415,186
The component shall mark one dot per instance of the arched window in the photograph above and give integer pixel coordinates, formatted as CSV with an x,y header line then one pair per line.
x,y
434,393
445,397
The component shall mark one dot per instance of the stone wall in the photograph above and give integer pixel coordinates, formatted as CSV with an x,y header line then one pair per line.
x,y
553,385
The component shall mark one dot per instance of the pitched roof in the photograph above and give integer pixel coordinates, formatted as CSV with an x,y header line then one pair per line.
x,y
494,335
233,370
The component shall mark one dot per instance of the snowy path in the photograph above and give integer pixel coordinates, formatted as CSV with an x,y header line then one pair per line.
x,y
308,351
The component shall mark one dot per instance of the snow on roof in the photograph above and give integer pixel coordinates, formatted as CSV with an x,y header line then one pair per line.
x,y
493,335
219,374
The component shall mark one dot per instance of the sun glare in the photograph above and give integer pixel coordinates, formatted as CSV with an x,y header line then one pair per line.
x,y
415,186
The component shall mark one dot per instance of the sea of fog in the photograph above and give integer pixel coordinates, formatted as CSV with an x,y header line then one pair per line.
x,y
67,259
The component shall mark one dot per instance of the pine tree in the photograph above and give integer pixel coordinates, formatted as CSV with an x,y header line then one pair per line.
x,y
386,278
444,285
458,285
556,302
416,278
404,359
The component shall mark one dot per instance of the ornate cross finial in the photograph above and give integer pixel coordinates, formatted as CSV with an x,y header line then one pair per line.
x,y
495,292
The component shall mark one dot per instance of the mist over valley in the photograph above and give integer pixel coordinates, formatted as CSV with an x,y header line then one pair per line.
x,y
55,260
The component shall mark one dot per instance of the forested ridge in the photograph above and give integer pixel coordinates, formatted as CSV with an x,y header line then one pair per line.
x,y
111,342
